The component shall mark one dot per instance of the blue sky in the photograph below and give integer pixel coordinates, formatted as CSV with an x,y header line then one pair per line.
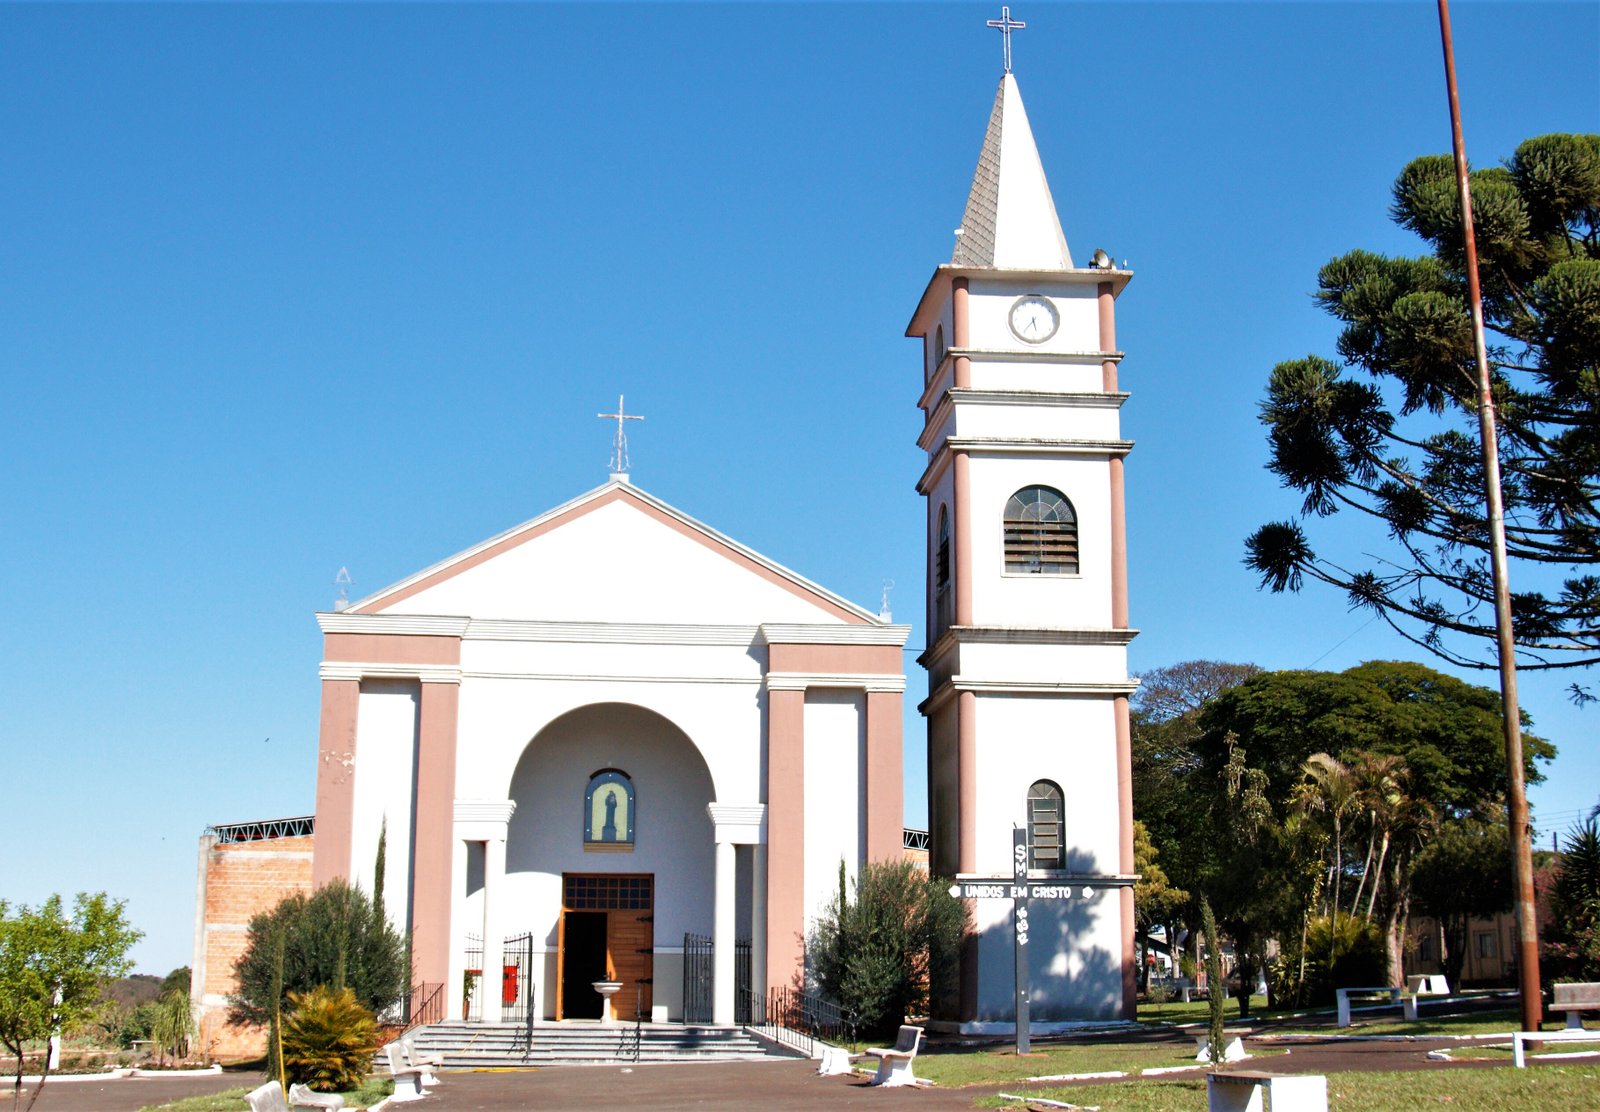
x,y
285,289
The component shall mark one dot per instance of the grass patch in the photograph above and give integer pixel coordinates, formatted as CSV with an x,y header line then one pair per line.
x,y
1199,1011
1508,1090
373,1090
957,1068
1475,1023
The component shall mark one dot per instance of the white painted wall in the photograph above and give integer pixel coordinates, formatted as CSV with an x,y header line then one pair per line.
x,y
835,785
615,563
989,305
386,742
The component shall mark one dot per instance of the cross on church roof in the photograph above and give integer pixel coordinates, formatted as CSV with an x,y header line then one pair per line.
x,y
619,443
1005,25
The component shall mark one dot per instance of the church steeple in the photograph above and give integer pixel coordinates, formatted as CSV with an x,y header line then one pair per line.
x,y
1010,221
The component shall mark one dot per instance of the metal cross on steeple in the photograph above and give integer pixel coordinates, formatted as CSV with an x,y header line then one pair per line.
x,y
1005,25
619,443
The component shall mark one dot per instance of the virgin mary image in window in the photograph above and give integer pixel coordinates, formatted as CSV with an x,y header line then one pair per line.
x,y
608,811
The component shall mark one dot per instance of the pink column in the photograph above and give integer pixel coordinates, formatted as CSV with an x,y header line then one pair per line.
x,y
1130,981
435,833
336,781
885,778
962,528
960,331
785,838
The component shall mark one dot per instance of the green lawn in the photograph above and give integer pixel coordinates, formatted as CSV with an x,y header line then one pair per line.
x,y
1477,1023
954,1069
371,1092
1199,1011
1509,1090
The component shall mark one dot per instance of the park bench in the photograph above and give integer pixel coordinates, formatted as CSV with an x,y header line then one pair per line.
x,y
835,1060
407,1078
1423,984
1575,999
894,1062
1343,996
1519,1039
1189,991
1241,1091
269,1098
427,1063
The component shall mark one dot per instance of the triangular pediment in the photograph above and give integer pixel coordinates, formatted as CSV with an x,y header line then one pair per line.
x,y
615,554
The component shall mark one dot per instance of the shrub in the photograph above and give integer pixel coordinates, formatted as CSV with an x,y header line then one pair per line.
x,y
329,1039
333,937
885,953
1354,954
172,1025
1572,934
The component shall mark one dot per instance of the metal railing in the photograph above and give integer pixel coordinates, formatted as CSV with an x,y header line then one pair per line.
x,y
423,1005
263,831
797,1019
914,839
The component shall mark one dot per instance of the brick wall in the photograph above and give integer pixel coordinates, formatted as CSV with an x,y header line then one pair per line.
x,y
237,881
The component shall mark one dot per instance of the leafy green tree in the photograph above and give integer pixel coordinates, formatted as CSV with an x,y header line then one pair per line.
x,y
179,978
1444,733
887,952
1397,438
1462,874
1156,902
331,937
52,970
1572,935
172,1024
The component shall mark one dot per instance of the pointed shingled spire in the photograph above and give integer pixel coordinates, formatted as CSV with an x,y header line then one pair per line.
x,y
1011,219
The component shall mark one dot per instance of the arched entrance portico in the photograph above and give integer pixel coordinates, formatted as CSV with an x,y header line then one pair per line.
x,y
609,858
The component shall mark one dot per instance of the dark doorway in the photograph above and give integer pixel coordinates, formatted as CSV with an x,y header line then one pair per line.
x,y
583,963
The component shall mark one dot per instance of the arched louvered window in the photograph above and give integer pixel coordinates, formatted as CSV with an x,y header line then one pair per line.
x,y
943,593
1046,845
1041,533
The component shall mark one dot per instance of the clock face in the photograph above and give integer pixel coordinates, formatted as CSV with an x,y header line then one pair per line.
x,y
1034,319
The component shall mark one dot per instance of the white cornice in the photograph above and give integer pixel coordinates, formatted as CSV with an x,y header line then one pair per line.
x,y
485,810
869,681
739,823
1020,635
432,625
999,445
950,688
363,670
590,677
612,633
954,398
789,633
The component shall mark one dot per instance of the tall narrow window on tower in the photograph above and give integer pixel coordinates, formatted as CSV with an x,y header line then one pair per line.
x,y
1041,533
943,596
1046,846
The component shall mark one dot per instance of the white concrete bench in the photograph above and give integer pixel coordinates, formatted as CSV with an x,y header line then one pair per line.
x,y
1343,996
1189,992
269,1098
894,1062
407,1078
427,1063
1519,1038
1423,984
835,1060
1232,1049
1241,1091
1575,999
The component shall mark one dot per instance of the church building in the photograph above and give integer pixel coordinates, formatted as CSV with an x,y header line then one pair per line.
x,y
590,767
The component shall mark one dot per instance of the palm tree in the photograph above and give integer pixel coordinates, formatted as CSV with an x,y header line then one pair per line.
x,y
1380,789
1328,788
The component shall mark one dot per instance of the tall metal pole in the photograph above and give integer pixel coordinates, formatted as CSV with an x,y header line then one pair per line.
x,y
1532,1003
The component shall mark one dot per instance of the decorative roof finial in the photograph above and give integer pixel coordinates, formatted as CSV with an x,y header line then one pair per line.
x,y
342,581
1005,25
619,443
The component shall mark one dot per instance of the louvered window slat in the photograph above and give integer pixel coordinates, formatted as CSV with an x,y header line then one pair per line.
x,y
1040,533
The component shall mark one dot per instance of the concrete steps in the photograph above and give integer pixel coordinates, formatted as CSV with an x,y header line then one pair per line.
x,y
467,1045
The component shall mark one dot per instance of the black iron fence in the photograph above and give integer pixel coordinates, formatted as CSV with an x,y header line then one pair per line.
x,y
699,960
795,1018
515,983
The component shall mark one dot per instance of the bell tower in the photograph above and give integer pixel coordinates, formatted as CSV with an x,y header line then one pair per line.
x,y
1027,614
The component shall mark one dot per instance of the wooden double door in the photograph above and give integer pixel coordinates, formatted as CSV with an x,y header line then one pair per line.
x,y
607,933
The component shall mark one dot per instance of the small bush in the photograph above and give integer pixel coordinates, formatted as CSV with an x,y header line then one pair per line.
x,y
1353,956
329,1039
884,953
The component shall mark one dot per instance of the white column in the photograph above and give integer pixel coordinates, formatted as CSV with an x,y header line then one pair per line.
x,y
458,957
722,938
494,875
758,919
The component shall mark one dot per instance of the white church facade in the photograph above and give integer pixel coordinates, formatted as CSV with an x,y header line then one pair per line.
x,y
578,758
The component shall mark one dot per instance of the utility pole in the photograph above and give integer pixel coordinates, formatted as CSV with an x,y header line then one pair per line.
x,y
1532,1001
